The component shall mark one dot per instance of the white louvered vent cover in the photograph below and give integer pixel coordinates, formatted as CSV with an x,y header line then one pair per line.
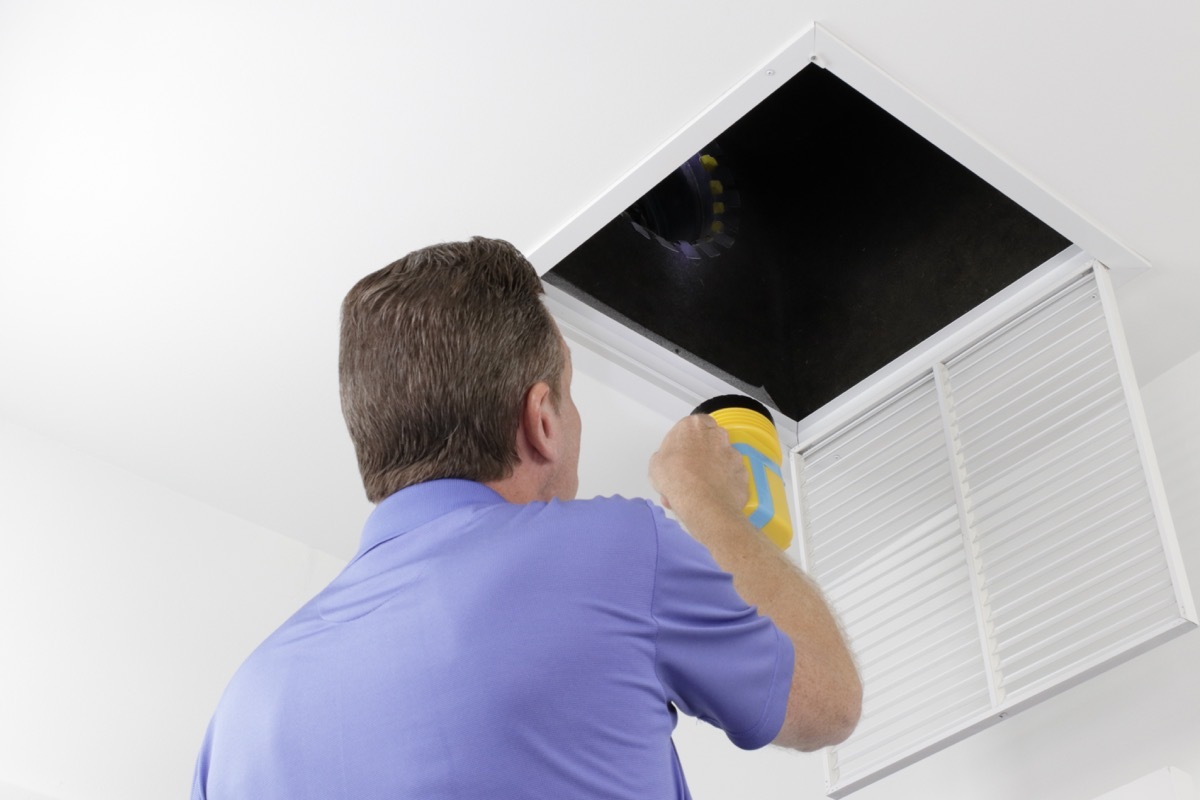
x,y
992,532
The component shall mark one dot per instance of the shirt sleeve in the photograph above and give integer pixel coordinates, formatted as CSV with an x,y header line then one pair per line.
x,y
717,658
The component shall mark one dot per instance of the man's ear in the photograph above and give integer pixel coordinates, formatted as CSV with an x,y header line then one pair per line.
x,y
537,432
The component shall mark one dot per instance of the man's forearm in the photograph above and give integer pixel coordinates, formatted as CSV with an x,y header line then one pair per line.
x,y
826,694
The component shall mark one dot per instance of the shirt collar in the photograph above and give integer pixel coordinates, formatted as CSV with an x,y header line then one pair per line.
x,y
416,505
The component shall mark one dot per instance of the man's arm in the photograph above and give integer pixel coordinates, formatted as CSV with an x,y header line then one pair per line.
x,y
702,479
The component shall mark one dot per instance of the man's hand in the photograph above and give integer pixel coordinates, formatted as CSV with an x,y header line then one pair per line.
x,y
696,465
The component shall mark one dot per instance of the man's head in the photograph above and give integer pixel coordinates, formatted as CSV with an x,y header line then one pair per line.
x,y
440,354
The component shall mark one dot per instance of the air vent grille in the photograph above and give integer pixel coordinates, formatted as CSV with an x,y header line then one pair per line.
x,y
990,532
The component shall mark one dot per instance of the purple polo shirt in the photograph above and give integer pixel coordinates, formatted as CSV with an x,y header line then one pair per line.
x,y
475,648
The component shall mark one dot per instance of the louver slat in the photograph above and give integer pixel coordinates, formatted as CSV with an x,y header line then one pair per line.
x,y
989,533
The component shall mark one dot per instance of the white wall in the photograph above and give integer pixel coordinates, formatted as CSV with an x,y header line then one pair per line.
x,y
124,609
10,792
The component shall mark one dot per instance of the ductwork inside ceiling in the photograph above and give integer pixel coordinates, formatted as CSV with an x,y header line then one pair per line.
x,y
817,239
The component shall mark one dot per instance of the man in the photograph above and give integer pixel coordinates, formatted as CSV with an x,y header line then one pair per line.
x,y
493,637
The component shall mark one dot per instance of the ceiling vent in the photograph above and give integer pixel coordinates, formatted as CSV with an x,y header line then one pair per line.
x,y
813,224
812,242
989,522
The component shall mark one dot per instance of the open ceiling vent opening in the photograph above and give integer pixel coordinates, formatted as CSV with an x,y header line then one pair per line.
x,y
844,221
811,243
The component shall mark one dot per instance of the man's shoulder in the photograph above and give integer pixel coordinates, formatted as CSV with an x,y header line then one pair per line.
x,y
608,510
601,526
616,517
615,502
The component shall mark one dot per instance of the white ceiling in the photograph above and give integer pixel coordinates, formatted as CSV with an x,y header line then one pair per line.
x,y
186,191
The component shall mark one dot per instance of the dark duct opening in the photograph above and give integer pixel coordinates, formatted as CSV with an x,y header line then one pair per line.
x,y
856,239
